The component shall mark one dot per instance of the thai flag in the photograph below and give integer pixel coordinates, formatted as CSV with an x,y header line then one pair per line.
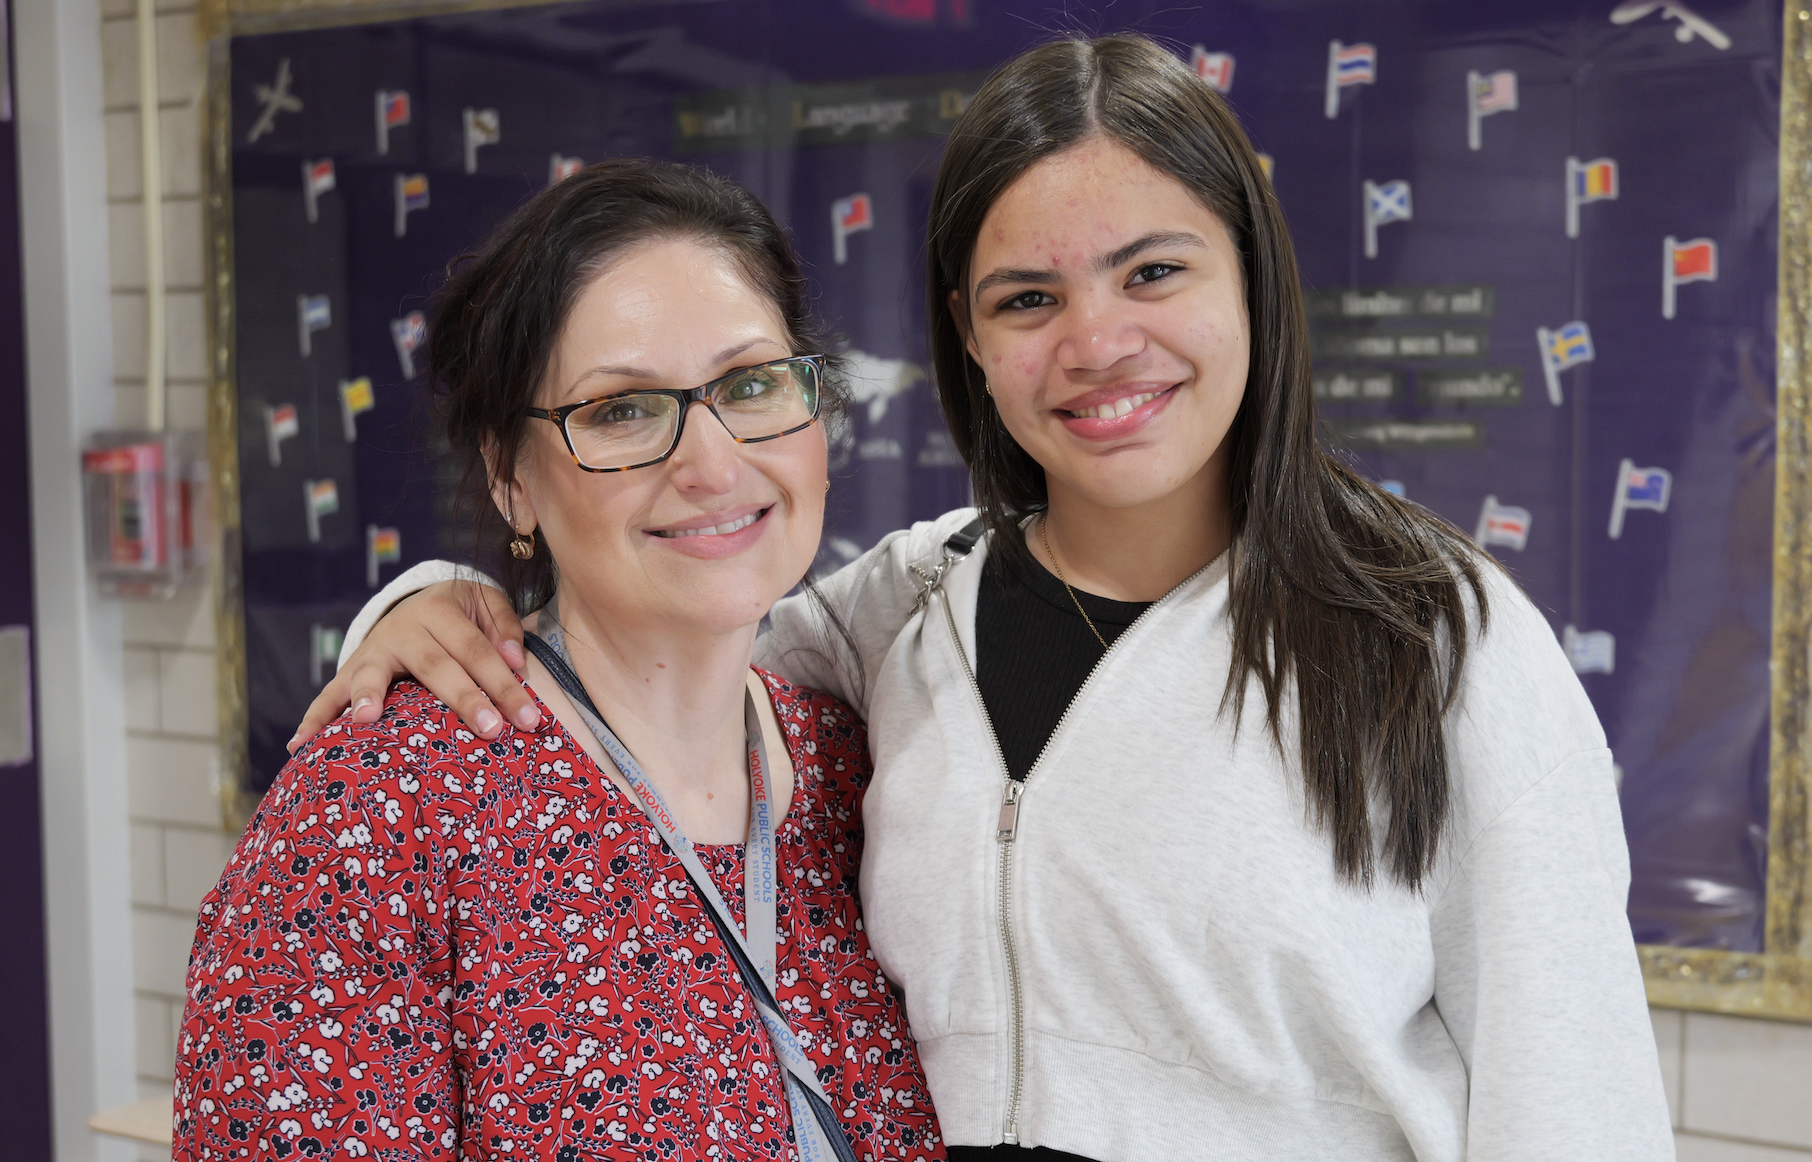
x,y
1648,488
1348,64
849,215
1355,64
317,179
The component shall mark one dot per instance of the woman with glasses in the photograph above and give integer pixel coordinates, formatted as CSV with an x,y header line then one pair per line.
x,y
1225,806
634,934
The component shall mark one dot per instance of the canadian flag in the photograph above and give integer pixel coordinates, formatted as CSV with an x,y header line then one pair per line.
x,y
1214,67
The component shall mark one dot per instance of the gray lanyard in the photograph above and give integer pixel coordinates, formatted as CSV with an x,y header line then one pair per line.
x,y
819,1138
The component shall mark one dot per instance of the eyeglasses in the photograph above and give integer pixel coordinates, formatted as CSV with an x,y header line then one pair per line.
x,y
640,428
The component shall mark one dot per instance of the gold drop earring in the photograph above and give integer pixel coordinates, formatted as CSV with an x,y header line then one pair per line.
x,y
522,546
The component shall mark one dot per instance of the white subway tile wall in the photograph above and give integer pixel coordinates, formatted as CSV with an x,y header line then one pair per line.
x,y
1667,1041
173,747
1739,1090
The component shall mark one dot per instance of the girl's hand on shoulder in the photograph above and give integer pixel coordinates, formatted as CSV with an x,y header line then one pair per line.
x,y
460,639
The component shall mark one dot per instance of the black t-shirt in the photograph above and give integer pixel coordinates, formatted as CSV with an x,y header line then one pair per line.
x,y
1033,651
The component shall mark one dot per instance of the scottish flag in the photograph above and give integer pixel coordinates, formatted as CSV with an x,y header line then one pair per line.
x,y
1384,204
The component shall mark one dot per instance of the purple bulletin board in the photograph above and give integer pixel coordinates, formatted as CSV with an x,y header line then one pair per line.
x,y
1540,244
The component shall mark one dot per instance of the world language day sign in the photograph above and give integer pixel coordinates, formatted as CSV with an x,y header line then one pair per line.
x,y
1539,254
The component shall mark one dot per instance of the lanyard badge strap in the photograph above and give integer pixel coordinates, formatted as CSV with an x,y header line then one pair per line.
x,y
818,1137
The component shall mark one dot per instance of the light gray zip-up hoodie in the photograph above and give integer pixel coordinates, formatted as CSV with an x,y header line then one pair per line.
x,y
1162,962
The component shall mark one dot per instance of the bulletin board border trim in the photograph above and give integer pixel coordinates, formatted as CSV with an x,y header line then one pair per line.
x,y
1776,983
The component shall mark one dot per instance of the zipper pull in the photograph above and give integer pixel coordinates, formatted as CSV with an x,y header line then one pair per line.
x,y
1008,826
1011,1137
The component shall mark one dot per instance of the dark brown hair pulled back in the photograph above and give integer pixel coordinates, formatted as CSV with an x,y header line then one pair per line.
x,y
1339,589
499,315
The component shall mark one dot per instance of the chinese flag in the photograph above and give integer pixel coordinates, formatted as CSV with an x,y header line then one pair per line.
x,y
1695,260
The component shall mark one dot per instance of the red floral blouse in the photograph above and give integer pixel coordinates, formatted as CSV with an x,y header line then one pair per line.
x,y
429,946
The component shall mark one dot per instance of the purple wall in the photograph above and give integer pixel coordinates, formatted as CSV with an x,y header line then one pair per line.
x,y
25,1065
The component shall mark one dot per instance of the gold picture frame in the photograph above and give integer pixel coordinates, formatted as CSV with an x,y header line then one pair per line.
x,y
1775,983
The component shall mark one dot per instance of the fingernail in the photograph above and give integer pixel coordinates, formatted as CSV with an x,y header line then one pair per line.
x,y
528,718
512,654
359,706
293,743
487,720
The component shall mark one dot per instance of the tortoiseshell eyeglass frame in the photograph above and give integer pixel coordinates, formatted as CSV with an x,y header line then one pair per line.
x,y
686,398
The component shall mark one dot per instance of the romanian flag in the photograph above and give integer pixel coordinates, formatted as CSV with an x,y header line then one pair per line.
x,y
1592,181
1595,180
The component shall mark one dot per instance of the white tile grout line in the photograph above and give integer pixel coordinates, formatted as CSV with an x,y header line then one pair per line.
x,y
1680,1072
1738,1140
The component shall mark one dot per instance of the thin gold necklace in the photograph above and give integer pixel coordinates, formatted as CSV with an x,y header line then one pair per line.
x,y
1044,519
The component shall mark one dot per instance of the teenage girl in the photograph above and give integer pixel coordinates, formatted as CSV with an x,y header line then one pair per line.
x,y
1225,805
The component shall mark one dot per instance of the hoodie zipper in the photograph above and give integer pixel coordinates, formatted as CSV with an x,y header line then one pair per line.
x,y
1006,831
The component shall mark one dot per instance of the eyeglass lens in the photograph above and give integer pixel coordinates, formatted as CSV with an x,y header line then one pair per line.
x,y
759,403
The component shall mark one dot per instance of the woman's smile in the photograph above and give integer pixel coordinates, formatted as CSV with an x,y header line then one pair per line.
x,y
724,533
1110,413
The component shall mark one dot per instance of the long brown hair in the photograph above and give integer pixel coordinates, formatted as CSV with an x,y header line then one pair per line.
x,y
1338,588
